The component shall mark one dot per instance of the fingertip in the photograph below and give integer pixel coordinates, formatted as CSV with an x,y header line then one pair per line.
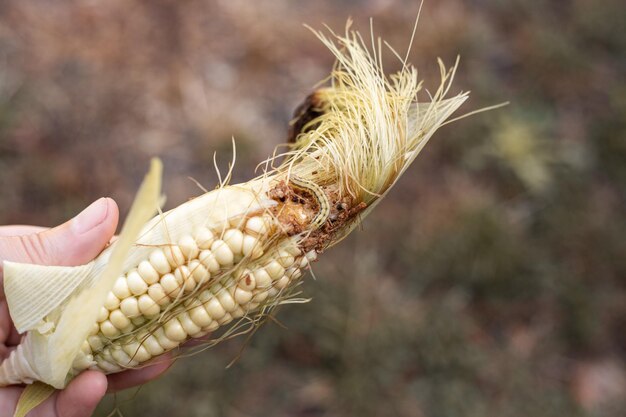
x,y
102,219
89,384
90,232
81,397
112,217
97,382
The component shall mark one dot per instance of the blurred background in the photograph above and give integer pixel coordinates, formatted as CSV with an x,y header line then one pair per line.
x,y
491,282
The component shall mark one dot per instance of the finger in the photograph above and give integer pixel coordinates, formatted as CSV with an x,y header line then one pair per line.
x,y
75,242
5,322
81,396
18,230
8,334
127,379
8,399
78,399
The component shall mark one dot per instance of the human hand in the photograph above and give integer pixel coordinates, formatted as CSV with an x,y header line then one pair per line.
x,y
75,242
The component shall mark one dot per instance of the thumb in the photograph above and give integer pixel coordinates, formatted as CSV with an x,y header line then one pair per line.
x,y
75,242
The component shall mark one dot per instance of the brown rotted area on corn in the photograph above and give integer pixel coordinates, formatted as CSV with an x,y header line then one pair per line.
x,y
297,208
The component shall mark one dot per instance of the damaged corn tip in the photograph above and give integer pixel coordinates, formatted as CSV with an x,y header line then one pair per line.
x,y
221,262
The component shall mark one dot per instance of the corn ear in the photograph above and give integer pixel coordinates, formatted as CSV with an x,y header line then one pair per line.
x,y
233,254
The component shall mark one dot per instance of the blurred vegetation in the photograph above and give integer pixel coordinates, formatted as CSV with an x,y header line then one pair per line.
x,y
491,282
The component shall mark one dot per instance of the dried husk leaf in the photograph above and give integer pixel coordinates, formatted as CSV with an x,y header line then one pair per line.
x,y
32,396
45,288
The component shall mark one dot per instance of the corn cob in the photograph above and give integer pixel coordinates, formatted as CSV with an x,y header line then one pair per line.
x,y
233,254
196,270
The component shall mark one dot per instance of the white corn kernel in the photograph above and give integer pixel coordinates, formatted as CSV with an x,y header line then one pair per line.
x,y
207,258
227,318
262,278
95,342
256,225
238,312
242,296
159,262
214,308
212,327
252,305
204,296
190,285
174,330
188,246
106,354
111,302
122,358
200,316
108,329
293,273
165,342
252,247
293,250
147,272
222,252
137,352
129,307
182,273
260,296
190,327
311,255
151,344
204,237
130,347
148,306
128,329
282,283
199,272
234,240
107,366
136,284
157,293
226,300
138,321
119,319
174,255
103,314
191,302
142,355
170,284
285,258
120,288
275,270
86,348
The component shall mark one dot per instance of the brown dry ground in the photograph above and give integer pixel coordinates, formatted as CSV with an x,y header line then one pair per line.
x,y
491,282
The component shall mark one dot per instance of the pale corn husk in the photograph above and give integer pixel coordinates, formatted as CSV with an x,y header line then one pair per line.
x,y
370,130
